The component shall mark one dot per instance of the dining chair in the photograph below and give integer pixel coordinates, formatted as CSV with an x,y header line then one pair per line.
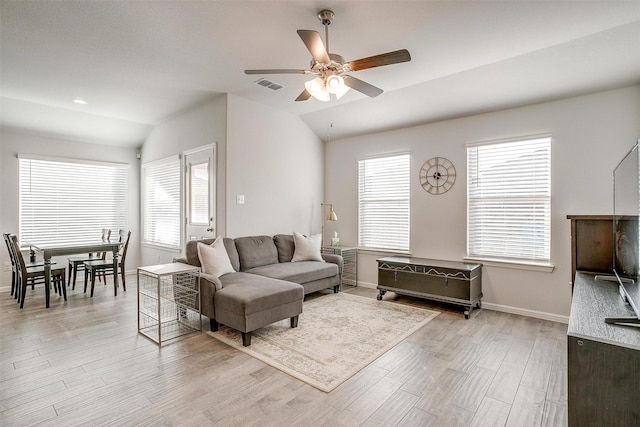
x,y
76,263
14,267
105,266
35,275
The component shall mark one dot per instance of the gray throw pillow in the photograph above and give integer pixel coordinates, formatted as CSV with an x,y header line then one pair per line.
x,y
284,243
256,251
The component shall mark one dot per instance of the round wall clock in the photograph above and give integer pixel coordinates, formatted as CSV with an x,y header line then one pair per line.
x,y
437,175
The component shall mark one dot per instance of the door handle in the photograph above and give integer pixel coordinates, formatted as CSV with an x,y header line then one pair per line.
x,y
210,229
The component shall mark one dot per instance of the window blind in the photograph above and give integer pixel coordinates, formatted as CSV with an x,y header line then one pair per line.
x,y
161,202
67,201
509,200
384,203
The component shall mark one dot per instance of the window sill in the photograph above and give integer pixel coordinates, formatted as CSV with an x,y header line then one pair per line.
x,y
518,265
382,252
162,247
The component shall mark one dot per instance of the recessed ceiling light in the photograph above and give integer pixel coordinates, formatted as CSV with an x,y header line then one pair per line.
x,y
80,101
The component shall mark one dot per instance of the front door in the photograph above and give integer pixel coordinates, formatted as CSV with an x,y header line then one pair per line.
x,y
200,193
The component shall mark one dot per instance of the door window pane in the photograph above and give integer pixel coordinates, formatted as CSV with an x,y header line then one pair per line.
x,y
199,193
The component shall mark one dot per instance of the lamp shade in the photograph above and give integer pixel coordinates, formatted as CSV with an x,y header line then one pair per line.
x,y
332,215
335,86
334,83
317,89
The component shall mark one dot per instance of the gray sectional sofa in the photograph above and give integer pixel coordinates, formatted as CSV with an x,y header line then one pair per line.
x,y
266,286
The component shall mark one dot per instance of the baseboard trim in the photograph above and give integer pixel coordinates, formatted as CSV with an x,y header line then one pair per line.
x,y
526,312
368,285
505,308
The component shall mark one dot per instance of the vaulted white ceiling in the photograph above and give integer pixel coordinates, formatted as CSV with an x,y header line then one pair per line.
x,y
138,63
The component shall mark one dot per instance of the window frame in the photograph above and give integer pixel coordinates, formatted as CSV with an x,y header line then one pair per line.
x,y
99,203
404,244
519,261
173,161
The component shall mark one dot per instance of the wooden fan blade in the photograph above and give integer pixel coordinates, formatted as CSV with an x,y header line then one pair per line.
x,y
303,96
276,71
362,86
388,58
312,40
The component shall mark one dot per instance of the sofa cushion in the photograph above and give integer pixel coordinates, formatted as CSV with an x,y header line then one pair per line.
x,y
307,248
298,272
214,258
246,294
255,251
284,243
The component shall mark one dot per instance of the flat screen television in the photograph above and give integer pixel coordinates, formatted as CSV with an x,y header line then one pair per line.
x,y
626,238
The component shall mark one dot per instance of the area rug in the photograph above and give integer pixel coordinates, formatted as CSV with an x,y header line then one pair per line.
x,y
337,336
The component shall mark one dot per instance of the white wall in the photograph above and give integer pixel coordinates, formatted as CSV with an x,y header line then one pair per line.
x,y
270,157
590,135
14,142
200,125
276,162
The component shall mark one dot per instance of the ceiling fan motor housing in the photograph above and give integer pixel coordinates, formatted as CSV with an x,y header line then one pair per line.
x,y
326,17
334,67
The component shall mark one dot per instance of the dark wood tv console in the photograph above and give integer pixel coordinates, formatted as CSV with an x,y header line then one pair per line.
x,y
449,281
603,359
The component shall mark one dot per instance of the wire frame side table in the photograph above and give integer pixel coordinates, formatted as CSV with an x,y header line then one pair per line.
x,y
168,301
350,262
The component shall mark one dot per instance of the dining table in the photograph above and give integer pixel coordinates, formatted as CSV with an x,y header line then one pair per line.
x,y
60,249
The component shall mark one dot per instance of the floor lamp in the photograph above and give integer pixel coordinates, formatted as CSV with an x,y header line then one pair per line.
x,y
331,216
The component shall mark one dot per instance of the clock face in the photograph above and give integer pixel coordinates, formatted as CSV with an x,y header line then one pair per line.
x,y
437,175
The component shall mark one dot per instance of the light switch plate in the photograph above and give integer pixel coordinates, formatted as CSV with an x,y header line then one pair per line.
x,y
240,199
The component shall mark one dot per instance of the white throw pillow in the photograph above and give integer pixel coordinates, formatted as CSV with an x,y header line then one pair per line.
x,y
214,258
307,248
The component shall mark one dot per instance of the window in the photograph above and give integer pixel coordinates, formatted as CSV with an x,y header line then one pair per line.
x,y
509,200
383,203
69,201
161,203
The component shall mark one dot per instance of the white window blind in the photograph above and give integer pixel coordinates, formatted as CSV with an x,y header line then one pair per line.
x,y
67,201
509,200
383,203
161,202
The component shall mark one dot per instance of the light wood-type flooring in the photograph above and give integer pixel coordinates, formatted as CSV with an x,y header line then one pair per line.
x,y
83,363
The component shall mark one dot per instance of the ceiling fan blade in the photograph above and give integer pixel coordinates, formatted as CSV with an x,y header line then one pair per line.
x,y
388,58
277,71
303,96
312,40
362,86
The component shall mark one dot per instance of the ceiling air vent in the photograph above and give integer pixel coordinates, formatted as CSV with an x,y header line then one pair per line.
x,y
269,84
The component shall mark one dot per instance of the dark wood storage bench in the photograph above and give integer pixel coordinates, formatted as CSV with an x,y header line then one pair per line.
x,y
449,281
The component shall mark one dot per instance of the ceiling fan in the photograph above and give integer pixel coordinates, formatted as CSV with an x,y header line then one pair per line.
x,y
331,69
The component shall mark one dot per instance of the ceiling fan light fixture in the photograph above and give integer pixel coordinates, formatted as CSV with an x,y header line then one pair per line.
x,y
317,89
334,84
341,91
